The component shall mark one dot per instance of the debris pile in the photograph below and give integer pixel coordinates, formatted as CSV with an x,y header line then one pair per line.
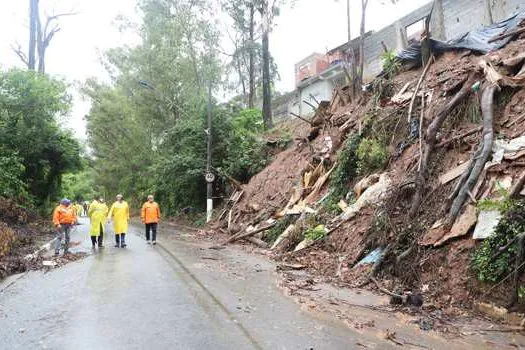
x,y
454,134
20,234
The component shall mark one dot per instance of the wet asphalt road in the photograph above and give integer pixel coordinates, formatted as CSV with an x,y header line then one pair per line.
x,y
157,298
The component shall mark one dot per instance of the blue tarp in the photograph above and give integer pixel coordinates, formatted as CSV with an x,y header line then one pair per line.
x,y
476,40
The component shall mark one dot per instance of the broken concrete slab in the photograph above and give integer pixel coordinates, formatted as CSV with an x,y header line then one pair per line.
x,y
305,243
283,236
373,195
462,225
453,173
364,184
502,149
487,222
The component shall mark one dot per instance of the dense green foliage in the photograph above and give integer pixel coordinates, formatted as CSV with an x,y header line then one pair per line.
x,y
148,129
344,173
34,150
346,169
492,270
372,155
246,151
315,233
11,172
390,63
79,186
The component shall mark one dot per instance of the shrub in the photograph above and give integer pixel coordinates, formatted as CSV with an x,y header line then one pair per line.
x,y
315,233
390,63
491,270
372,155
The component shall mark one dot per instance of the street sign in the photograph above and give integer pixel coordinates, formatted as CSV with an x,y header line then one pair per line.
x,y
210,177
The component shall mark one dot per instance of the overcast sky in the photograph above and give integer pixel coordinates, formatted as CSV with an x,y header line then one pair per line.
x,y
310,26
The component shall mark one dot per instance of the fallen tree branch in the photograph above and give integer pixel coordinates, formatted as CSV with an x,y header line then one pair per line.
x,y
430,141
516,189
502,250
421,119
258,242
384,290
247,234
418,85
463,177
459,137
520,240
311,105
503,280
404,254
303,119
517,120
487,110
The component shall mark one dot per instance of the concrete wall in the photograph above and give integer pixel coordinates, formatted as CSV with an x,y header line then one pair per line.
x,y
450,19
461,16
392,36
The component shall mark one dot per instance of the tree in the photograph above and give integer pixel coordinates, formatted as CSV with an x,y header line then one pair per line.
x,y
267,93
39,37
148,129
33,20
30,107
242,13
142,126
357,74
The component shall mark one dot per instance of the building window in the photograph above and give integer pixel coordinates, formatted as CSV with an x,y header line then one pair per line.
x,y
415,30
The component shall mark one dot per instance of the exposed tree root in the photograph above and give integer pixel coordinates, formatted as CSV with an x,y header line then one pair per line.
x,y
487,109
430,141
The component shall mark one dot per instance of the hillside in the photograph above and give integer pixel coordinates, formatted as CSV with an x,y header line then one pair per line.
x,y
406,176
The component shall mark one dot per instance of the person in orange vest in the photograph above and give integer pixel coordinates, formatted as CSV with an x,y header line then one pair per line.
x,y
150,215
64,217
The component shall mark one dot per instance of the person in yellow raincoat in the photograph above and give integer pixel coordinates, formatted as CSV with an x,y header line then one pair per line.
x,y
119,212
98,212
78,208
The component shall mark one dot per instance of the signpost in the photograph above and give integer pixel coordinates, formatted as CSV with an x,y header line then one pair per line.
x,y
210,177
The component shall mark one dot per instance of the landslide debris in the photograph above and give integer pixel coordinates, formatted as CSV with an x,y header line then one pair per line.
x,y
21,233
402,181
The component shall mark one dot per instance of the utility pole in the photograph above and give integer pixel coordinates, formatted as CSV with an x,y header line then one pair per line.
x,y
209,175
348,18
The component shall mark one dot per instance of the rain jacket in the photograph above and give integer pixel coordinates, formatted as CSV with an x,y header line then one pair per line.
x,y
79,209
150,213
119,212
64,215
97,213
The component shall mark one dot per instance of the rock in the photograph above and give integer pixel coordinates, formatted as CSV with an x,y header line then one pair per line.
x,y
487,222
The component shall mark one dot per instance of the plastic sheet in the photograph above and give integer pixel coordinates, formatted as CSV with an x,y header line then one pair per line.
x,y
476,40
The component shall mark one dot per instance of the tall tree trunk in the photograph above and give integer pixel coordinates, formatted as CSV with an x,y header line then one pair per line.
x,y
33,16
40,46
251,97
352,59
364,4
349,20
267,93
